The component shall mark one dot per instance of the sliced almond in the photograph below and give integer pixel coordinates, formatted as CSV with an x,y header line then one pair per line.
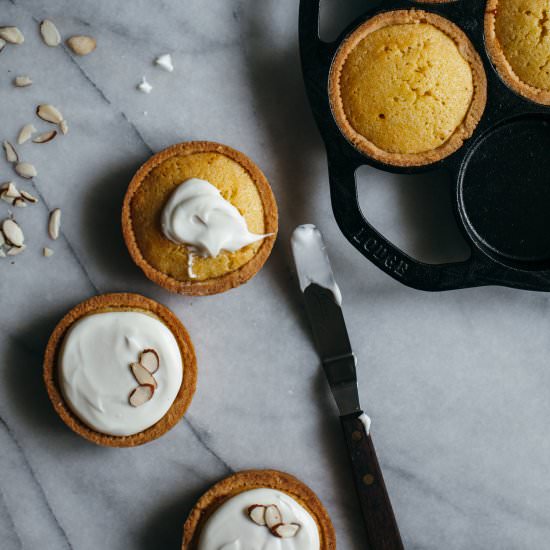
x,y
22,81
285,530
12,35
49,113
64,127
81,44
49,33
10,190
141,395
26,133
28,197
11,153
142,375
6,198
149,359
2,44
14,250
45,137
47,252
26,170
12,232
54,223
273,516
256,513
2,253
2,240
19,202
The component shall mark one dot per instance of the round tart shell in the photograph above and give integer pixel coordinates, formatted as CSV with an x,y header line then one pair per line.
x,y
466,49
230,279
501,63
256,479
121,302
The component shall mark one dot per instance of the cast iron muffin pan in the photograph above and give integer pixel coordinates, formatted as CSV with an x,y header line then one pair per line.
x,y
500,176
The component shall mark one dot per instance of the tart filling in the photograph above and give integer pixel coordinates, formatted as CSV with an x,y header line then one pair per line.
x,y
260,518
104,361
518,40
407,87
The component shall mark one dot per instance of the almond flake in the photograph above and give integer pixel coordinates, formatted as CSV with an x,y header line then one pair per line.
x,y
141,395
2,240
149,359
12,35
142,375
10,191
14,250
6,198
54,224
45,137
25,134
22,81
13,233
28,197
49,113
273,516
19,202
144,86
64,127
26,170
49,33
2,253
165,61
81,44
256,513
285,530
2,44
11,153
47,252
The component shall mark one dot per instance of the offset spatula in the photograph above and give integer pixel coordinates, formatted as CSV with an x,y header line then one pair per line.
x,y
323,305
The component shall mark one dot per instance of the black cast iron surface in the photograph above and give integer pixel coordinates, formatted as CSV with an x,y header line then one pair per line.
x,y
501,176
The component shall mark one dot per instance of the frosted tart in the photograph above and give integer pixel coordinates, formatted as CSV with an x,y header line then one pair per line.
x,y
120,369
407,88
517,34
199,218
259,509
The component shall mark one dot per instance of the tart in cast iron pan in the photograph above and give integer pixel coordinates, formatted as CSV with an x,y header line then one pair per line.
x,y
498,154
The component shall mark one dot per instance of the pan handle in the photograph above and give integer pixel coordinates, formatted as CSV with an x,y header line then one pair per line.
x,y
388,257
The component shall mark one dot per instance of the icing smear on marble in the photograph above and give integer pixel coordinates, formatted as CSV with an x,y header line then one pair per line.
x,y
230,528
198,216
312,262
95,373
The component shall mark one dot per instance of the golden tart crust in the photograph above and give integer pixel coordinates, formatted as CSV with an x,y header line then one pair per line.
x,y
121,302
166,263
517,48
255,479
466,120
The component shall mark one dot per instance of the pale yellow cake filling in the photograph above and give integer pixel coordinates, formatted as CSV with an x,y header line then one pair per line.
x,y
235,185
522,28
406,88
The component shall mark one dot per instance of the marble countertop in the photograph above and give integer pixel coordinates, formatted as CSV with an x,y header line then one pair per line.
x,y
457,383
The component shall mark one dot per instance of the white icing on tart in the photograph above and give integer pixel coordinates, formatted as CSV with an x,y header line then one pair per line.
x,y
231,528
95,375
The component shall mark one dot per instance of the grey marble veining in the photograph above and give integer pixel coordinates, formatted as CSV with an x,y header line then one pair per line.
x,y
457,383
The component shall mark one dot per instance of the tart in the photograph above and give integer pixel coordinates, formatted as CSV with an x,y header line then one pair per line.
x,y
120,369
257,506
181,209
407,88
517,35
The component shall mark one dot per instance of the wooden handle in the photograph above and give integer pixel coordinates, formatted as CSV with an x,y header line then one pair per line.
x,y
378,516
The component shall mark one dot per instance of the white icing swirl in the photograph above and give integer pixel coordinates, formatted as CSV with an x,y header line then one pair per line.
x,y
95,376
230,528
198,216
